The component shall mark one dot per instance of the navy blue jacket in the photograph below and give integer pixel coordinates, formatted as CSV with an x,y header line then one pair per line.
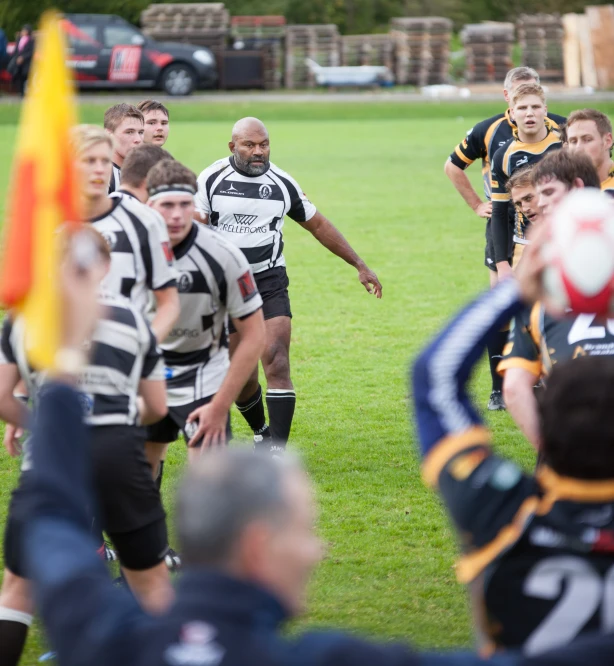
x,y
215,619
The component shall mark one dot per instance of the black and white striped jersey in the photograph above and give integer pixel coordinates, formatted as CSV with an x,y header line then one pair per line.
x,y
124,351
141,257
214,280
115,178
249,210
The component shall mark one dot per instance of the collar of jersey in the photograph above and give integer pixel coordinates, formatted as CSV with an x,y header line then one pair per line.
x,y
182,248
558,487
128,194
547,123
247,175
115,201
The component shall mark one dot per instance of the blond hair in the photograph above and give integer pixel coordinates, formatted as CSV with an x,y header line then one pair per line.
x,y
527,89
84,137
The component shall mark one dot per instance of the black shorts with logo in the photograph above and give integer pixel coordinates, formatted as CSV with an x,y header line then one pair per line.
x,y
129,504
273,287
489,252
168,429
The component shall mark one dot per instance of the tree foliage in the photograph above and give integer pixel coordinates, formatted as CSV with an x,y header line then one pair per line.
x,y
352,16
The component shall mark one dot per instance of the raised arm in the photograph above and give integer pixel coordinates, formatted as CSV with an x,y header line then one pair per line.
x,y
453,440
86,618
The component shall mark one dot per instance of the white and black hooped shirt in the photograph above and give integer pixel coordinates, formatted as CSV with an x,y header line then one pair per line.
x,y
249,210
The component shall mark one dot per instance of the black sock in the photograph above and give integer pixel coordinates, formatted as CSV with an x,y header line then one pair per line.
x,y
253,412
14,627
280,403
160,475
495,352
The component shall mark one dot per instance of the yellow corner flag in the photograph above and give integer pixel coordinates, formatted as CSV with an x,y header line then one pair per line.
x,y
44,196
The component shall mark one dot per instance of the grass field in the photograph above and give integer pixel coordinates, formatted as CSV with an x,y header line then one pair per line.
x,y
377,172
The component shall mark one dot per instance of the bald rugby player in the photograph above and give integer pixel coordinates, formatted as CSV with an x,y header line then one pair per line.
x,y
246,197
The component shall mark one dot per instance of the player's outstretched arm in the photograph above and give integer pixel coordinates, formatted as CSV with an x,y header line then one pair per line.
x,y
463,186
332,239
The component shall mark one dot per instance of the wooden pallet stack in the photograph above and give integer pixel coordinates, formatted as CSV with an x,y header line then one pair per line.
x,y
588,48
203,24
488,51
316,42
541,40
423,59
368,50
266,34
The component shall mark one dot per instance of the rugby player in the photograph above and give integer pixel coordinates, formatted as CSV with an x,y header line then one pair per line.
x,y
215,281
524,198
533,137
538,551
481,143
125,123
123,382
538,340
141,260
245,197
136,166
589,131
156,121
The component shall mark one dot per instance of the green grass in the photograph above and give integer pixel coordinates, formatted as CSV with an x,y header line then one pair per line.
x,y
389,571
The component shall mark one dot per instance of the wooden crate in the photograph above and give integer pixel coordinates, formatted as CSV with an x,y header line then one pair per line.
x,y
541,39
316,42
488,51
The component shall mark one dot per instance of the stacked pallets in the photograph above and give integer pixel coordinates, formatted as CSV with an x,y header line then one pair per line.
x,y
266,34
423,49
488,51
316,42
368,50
541,39
203,24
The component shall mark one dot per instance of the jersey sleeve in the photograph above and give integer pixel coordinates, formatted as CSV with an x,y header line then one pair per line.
x,y
521,350
301,209
471,148
242,295
483,493
500,206
205,181
7,355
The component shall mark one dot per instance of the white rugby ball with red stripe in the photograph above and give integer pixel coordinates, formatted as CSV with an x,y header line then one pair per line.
x,y
580,253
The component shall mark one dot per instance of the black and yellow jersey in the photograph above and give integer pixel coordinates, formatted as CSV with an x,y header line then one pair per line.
x,y
537,550
484,139
514,155
538,341
607,185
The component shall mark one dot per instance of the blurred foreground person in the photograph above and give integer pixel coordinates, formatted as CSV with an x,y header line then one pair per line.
x,y
246,526
538,550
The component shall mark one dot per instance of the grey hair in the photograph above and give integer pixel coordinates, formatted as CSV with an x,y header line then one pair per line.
x,y
519,74
221,495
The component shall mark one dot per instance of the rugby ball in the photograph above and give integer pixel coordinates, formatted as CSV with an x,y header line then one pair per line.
x,y
579,255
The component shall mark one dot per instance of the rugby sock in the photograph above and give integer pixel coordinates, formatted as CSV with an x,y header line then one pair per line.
x,y
495,353
14,627
280,403
160,475
253,412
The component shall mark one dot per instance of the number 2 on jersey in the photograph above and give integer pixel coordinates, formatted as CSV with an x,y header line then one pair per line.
x,y
584,592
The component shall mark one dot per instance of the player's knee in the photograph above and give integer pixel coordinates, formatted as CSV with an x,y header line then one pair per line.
x,y
278,365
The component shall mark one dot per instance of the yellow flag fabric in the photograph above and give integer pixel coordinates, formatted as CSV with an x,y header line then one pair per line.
x,y
44,197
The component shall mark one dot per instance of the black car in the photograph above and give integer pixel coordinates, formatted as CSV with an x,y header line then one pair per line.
x,y
105,51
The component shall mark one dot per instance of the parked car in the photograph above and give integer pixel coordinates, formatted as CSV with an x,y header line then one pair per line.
x,y
105,51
